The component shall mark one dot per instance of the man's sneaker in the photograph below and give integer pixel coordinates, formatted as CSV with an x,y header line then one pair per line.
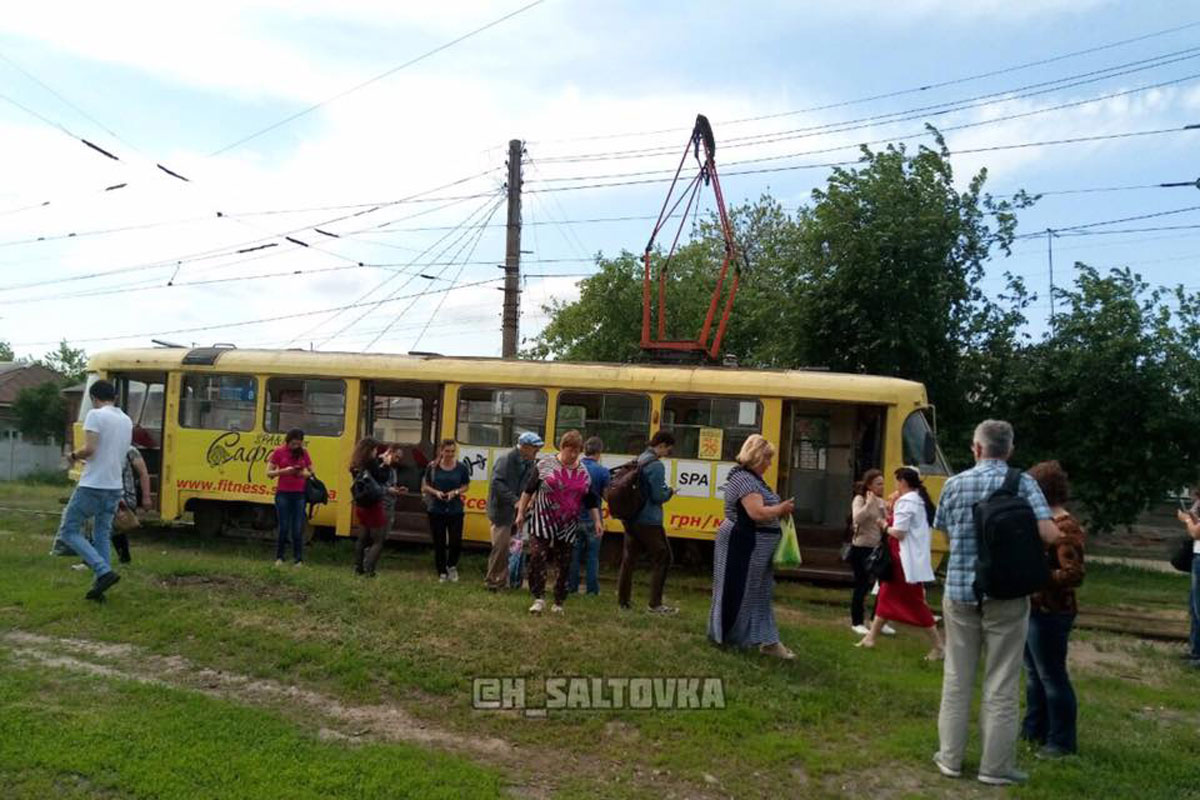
x,y
298,564
279,562
80,567
664,610
556,608
1010,778
888,630
860,629
443,577
102,585
453,573
947,771
538,606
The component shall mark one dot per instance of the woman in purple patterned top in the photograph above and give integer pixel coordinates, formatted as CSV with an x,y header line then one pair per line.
x,y
558,490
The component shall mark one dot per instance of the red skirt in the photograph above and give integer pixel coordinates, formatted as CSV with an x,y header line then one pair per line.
x,y
371,516
900,601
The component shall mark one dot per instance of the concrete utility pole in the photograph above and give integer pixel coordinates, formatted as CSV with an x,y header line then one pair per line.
x,y
512,258
1050,259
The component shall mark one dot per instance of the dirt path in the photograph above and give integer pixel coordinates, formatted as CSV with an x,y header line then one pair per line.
x,y
335,720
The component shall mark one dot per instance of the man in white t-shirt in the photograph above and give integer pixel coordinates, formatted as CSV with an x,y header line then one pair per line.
x,y
109,434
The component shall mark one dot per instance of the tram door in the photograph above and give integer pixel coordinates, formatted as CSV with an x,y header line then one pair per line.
x,y
141,396
407,415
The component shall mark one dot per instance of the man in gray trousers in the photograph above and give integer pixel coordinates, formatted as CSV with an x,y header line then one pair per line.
x,y
509,474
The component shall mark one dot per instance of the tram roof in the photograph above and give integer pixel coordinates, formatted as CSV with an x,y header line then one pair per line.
x,y
676,379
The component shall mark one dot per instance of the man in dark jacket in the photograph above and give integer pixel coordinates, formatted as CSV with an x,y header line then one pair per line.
x,y
509,474
646,533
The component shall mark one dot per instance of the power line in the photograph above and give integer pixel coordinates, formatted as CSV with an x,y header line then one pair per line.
x,y
896,93
829,164
370,81
939,109
244,323
1071,230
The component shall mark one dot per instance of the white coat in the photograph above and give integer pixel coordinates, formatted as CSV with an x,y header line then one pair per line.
x,y
915,556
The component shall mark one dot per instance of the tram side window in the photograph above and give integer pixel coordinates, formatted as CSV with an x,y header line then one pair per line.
x,y
317,407
218,402
621,420
920,446
496,417
693,418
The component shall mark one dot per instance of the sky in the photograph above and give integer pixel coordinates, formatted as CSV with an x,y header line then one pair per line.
x,y
375,219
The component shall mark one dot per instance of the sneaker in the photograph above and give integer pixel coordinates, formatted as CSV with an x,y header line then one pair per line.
x,y
279,562
664,610
556,608
888,630
453,573
102,585
80,567
625,608
1010,778
298,564
538,606
860,629
443,577
949,772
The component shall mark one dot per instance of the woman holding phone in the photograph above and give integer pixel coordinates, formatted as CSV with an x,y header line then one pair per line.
x,y
445,484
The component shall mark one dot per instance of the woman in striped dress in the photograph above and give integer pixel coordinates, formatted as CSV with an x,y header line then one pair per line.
x,y
558,491
743,574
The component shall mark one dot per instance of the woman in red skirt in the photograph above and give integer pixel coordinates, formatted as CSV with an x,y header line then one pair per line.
x,y
373,515
909,538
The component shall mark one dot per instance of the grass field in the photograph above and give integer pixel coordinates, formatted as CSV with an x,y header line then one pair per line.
x,y
210,673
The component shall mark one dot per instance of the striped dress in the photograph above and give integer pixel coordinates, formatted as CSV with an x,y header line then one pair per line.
x,y
743,575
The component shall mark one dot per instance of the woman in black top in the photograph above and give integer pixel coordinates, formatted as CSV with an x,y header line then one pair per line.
x,y
446,483
373,516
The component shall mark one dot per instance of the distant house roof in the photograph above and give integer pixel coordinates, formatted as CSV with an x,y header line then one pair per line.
x,y
15,376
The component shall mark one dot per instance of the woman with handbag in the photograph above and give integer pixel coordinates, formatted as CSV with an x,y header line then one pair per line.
x,y
135,482
372,481
743,573
868,516
909,538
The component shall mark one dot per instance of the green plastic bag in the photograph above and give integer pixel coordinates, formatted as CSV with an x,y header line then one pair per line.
x,y
787,554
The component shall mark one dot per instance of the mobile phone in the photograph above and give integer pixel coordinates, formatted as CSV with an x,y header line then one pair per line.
x,y
1185,508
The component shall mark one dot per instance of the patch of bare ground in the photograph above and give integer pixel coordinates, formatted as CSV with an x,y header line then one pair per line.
x,y
1120,657
334,720
233,583
894,781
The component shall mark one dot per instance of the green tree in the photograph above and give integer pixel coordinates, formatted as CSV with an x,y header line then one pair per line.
x,y
68,361
41,412
880,273
6,352
1113,393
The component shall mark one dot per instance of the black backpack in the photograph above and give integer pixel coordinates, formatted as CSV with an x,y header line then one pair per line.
x,y
1011,560
365,490
315,494
625,494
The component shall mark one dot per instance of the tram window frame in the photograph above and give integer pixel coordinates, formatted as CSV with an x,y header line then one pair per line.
x,y
612,443
687,435
515,425
246,408
311,422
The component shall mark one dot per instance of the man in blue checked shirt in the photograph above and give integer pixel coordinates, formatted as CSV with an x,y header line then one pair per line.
x,y
996,627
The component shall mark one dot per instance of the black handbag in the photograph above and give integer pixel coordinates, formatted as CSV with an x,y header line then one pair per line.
x,y
878,563
1181,558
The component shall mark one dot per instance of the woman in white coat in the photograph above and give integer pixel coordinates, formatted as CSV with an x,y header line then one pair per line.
x,y
902,595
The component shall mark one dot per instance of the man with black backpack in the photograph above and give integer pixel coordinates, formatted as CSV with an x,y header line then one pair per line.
x,y
644,531
998,524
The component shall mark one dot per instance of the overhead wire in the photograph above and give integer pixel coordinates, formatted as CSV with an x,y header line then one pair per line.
x,y
920,88
379,77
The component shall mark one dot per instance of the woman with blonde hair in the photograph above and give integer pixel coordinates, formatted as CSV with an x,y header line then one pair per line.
x,y
559,488
743,573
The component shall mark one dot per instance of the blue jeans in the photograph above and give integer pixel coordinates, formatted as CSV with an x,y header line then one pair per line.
x,y
1050,706
585,542
289,509
99,505
1194,606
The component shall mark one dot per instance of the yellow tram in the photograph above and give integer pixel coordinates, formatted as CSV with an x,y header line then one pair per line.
x,y
206,420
